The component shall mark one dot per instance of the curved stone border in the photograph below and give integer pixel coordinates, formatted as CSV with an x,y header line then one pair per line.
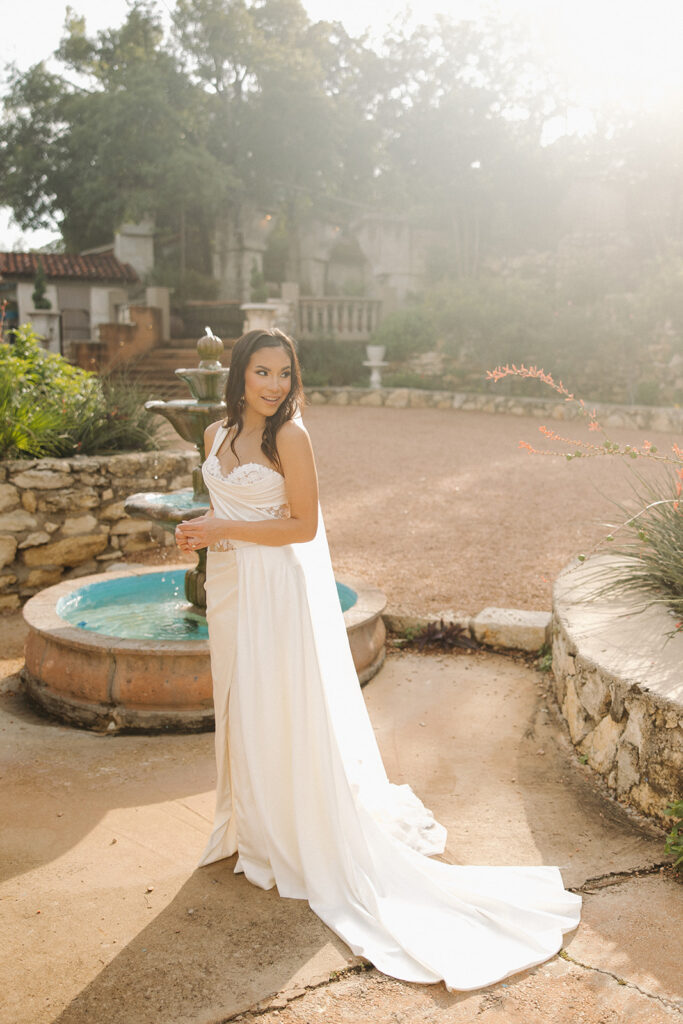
x,y
108,684
641,417
618,681
499,629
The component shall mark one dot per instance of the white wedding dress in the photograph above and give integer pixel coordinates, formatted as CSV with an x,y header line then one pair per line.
x,y
302,794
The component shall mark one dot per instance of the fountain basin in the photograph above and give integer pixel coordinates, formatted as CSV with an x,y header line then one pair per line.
x,y
148,683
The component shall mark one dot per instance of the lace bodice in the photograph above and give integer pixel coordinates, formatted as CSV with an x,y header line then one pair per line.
x,y
246,473
250,473
250,491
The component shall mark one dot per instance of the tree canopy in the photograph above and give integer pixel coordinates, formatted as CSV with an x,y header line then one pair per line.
x,y
254,100
251,100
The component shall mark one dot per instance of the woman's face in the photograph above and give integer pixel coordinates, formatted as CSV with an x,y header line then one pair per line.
x,y
267,380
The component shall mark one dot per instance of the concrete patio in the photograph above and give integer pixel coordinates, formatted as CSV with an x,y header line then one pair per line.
x,y
107,919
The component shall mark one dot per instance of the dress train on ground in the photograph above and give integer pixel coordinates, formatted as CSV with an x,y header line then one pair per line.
x,y
302,794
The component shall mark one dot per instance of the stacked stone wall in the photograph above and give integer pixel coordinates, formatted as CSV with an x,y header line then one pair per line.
x,y
63,518
616,680
643,417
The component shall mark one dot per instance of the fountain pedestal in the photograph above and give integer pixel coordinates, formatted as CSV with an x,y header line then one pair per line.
x,y
375,363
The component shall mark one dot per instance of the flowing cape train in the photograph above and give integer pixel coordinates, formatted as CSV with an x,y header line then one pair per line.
x,y
302,794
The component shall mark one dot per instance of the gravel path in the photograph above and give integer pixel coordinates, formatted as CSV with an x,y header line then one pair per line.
x,y
444,511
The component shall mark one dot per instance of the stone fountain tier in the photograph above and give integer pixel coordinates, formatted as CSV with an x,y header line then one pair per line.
x,y
190,417
167,508
111,684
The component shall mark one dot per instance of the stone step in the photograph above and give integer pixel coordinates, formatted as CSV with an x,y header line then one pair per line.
x,y
158,386
154,372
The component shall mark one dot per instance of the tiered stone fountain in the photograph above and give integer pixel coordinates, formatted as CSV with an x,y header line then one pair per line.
x,y
189,418
126,651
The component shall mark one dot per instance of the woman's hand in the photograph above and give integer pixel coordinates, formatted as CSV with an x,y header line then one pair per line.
x,y
201,532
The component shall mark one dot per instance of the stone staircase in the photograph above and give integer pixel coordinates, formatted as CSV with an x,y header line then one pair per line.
x,y
154,371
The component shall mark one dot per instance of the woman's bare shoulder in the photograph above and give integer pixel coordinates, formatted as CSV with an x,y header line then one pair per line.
x,y
293,434
210,433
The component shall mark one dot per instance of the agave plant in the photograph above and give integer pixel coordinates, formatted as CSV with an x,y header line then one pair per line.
x,y
445,635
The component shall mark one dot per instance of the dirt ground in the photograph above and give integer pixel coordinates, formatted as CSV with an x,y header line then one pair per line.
x,y
106,917
443,510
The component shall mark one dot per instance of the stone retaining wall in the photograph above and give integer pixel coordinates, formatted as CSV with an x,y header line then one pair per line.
x,y
61,518
618,681
642,417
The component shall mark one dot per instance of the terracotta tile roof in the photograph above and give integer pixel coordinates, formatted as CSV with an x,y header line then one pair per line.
x,y
96,267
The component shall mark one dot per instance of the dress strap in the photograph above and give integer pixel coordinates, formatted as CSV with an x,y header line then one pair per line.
x,y
218,439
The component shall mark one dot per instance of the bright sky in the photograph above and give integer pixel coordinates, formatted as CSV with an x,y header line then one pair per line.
x,y
608,51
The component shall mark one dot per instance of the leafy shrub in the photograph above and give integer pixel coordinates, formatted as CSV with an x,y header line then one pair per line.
x,y
410,379
612,334
406,333
39,298
224,318
50,408
328,363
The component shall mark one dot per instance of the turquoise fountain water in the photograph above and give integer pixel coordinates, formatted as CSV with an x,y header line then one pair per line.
x,y
151,607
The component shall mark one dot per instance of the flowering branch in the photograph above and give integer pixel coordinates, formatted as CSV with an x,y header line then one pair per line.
x,y
581,448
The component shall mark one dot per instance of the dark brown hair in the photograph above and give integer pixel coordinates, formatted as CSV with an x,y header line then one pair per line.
x,y
242,352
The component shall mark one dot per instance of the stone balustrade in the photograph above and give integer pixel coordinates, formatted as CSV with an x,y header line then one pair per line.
x,y
642,417
62,518
343,319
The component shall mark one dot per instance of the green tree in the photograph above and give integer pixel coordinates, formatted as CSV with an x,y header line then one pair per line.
x,y
461,151
250,99
39,298
128,143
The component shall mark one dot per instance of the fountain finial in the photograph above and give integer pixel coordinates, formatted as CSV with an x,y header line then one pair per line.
x,y
210,349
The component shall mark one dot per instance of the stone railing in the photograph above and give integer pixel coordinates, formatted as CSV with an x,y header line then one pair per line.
x,y
642,417
618,684
61,518
342,319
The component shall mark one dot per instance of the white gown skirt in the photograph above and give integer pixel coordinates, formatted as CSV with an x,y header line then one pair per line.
x,y
303,798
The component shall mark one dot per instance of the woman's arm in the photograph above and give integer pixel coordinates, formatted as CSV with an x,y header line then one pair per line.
x,y
301,482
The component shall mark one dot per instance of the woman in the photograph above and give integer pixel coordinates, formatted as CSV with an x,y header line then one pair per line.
x,y
302,795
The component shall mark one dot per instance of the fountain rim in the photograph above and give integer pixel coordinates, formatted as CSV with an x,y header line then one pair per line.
x,y
41,616
40,613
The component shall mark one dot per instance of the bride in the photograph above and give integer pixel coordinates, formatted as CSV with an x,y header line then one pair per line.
x,y
302,795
